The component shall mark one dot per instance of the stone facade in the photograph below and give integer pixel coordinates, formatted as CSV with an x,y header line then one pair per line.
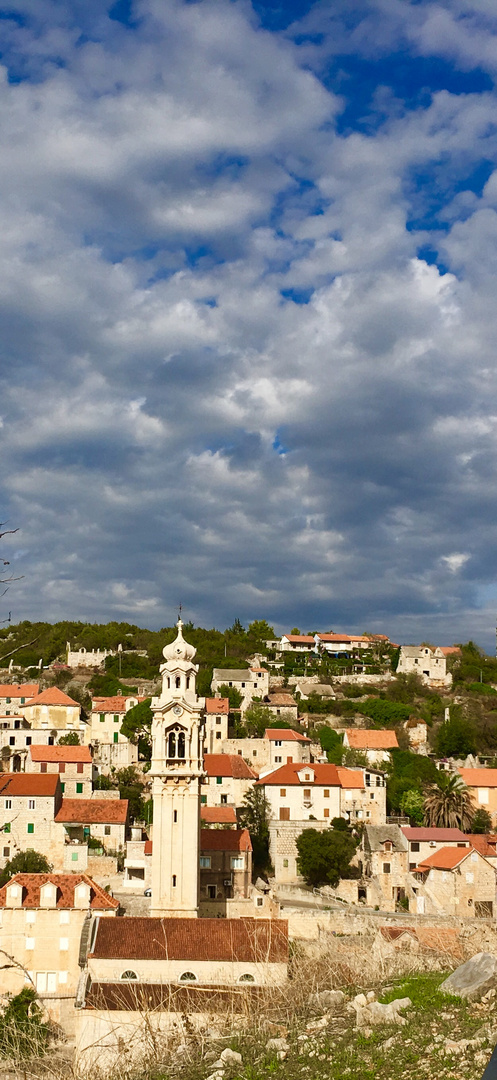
x,y
216,724
53,710
250,682
426,661
89,658
73,765
384,857
226,780
28,805
283,847
103,733
457,882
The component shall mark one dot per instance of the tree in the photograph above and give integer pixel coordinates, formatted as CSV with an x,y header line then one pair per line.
x,y
295,631
256,719
254,816
324,857
23,1030
456,737
137,727
234,696
260,630
331,743
131,788
237,627
448,803
25,862
412,805
482,822
71,739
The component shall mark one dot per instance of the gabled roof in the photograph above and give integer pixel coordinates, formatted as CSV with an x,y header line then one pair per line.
x,y
350,778
16,690
228,765
66,884
479,777
445,859
225,840
280,698
61,753
324,775
218,815
115,704
450,650
217,705
300,639
285,735
486,845
51,696
225,675
92,811
231,940
442,836
336,637
371,739
45,784
375,836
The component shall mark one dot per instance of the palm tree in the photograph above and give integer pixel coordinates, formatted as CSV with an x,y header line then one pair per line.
x,y
448,803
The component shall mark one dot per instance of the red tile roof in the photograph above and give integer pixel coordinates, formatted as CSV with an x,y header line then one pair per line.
x,y
326,775
486,845
285,734
450,650
479,777
217,705
335,637
302,639
228,765
445,859
225,840
218,815
350,778
29,784
242,940
15,690
371,739
66,884
93,811
60,753
443,836
51,696
115,704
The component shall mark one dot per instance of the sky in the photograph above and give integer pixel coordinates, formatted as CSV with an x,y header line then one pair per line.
x,y
248,313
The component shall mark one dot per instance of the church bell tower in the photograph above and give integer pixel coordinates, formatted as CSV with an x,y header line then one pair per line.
x,y
176,770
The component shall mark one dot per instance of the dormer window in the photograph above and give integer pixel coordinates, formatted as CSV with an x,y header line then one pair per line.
x,y
387,845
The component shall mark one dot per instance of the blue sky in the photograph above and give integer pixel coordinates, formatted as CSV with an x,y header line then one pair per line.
x,y
247,313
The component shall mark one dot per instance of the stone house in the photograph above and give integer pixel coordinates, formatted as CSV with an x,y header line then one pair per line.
x,y
101,819
12,695
375,744
225,868
485,844
41,921
226,780
216,723
364,795
384,857
283,837
250,682
175,966
28,806
429,662
458,882
73,764
53,710
417,733
297,643
342,644
103,733
282,704
423,842
482,784
86,658
279,745
15,739
298,792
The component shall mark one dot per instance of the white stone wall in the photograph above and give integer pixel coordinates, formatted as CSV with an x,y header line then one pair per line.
x,y
283,847
230,792
323,802
19,815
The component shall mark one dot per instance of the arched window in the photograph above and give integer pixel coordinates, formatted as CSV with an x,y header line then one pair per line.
x,y
188,976
246,978
129,975
171,748
181,744
178,682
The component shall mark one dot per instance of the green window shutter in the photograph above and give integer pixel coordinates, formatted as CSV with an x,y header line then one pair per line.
x,y
116,719
62,788
219,779
31,828
116,736
74,856
79,789
23,700
203,799
6,827
102,717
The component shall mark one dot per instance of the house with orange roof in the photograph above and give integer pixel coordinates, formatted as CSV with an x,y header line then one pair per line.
x,y
250,682
52,710
42,918
226,780
216,723
482,784
28,805
104,820
424,841
73,764
279,746
111,749
297,643
457,881
375,744
12,695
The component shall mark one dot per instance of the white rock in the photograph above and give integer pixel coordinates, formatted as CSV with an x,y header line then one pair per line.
x,y
360,1001
277,1044
370,996
231,1057
281,1055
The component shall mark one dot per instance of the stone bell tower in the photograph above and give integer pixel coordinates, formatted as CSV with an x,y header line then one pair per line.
x,y
176,770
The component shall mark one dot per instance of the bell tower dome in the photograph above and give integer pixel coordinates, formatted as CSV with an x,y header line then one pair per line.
x,y
176,771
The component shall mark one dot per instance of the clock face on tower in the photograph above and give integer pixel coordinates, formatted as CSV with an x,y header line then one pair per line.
x,y
177,710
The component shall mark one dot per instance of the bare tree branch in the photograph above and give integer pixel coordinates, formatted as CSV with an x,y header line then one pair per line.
x,y
25,646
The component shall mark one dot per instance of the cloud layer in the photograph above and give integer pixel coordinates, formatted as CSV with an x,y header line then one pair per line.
x,y
247,314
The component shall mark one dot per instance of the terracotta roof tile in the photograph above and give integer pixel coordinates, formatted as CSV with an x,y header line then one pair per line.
x,y
61,753
15,690
350,778
225,840
217,705
51,696
218,815
371,739
288,774
115,704
93,811
486,845
443,836
302,639
479,777
445,859
45,784
228,765
249,940
285,734
66,884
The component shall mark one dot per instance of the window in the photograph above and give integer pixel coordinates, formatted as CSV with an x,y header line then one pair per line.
x,y
218,719
8,804
219,779
62,766
414,845
116,719
188,976
62,788
79,767
205,862
371,794
43,766
285,863
470,879
203,799
211,892
31,804
174,881
30,943
277,760
277,742
12,740
6,827
6,852
23,699
116,736
79,789
46,982
326,811
326,793
259,901
128,974
63,917
17,724
307,793
175,816
386,867
218,735
412,866
237,862
246,978
31,916
30,827
224,800
102,718
74,856
106,827
282,792
63,944
284,813
28,740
